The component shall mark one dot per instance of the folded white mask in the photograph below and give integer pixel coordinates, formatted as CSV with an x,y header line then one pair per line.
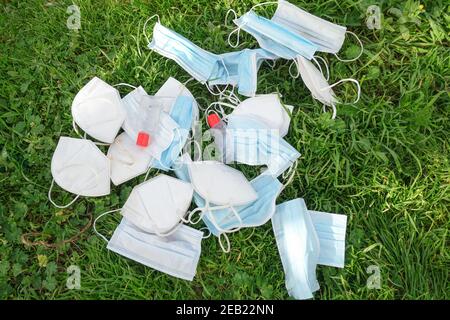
x,y
268,109
318,85
159,204
98,110
176,255
78,166
128,160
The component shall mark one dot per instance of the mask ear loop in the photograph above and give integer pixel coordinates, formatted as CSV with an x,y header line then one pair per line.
x,y
209,232
123,84
346,80
49,194
289,175
95,222
263,4
75,128
214,221
145,25
216,107
237,29
333,108
228,247
360,53
320,67
57,205
297,64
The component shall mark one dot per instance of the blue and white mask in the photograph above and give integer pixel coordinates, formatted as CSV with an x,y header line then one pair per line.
x,y
252,215
328,36
298,246
251,142
242,67
274,37
183,114
199,63
330,229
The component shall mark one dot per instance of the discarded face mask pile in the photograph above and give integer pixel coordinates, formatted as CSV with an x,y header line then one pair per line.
x,y
155,227
292,34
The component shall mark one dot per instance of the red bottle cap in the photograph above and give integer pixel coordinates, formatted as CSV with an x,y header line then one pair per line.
x,y
213,119
143,139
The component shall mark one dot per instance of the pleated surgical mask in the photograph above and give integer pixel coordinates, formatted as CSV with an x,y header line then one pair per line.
x,y
176,255
298,246
98,110
274,37
199,63
330,229
328,37
241,69
78,166
159,204
128,160
250,141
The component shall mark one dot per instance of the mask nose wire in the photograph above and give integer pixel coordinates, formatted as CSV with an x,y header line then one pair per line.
x,y
145,26
360,52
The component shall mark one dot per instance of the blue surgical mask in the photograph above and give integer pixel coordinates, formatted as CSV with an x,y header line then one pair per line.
x,y
182,113
242,67
298,246
275,38
199,63
251,142
255,214
330,229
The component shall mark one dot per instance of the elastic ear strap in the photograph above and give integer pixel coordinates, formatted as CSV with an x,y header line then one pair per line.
x,y
327,77
145,25
238,30
191,214
226,16
57,205
263,4
296,63
333,108
360,53
75,128
228,248
290,174
346,80
209,233
123,84
95,222
214,221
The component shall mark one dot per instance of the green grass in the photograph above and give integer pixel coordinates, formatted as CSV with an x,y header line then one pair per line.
x,y
384,162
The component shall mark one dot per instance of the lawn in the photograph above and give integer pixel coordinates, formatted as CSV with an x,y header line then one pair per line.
x,y
384,162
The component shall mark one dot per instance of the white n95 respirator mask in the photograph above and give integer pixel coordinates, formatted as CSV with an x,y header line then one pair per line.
x,y
98,110
78,166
